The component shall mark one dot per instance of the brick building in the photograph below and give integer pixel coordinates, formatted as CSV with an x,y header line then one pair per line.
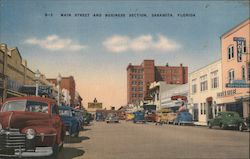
x,y
69,84
139,78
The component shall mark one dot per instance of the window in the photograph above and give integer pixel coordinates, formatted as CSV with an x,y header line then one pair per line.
x,y
203,83
230,75
204,109
230,52
133,89
248,70
201,108
215,79
194,86
243,73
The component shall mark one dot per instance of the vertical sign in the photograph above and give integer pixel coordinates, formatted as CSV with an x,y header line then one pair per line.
x,y
240,47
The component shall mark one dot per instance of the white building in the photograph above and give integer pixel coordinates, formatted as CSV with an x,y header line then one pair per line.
x,y
156,90
66,96
204,84
175,97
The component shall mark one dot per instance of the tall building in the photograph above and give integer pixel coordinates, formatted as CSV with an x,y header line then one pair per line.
x,y
139,78
235,57
69,84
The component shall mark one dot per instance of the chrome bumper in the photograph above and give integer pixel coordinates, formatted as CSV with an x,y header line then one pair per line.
x,y
39,152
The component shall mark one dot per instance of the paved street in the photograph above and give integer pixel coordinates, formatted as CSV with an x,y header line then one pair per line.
x,y
148,141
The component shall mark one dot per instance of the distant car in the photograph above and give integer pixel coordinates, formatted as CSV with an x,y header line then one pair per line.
x,y
129,116
112,118
30,127
150,117
87,118
227,119
139,117
183,118
99,116
71,123
79,116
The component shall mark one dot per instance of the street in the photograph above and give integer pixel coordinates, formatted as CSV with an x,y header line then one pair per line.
x,y
148,141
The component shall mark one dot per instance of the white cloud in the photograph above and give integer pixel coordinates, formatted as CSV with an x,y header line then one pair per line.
x,y
160,43
55,43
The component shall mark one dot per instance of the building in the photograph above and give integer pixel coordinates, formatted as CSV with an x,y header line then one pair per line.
x,y
204,85
66,96
156,90
139,78
235,56
69,84
175,96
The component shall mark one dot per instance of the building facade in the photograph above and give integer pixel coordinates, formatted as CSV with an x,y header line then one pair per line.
x,y
69,84
204,85
139,78
235,56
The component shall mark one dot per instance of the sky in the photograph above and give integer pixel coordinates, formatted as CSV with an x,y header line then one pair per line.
x,y
97,49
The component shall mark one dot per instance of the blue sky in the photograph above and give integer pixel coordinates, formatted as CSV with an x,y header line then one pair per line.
x,y
97,50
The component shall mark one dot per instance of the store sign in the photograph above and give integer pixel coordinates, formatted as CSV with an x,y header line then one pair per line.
x,y
226,93
241,43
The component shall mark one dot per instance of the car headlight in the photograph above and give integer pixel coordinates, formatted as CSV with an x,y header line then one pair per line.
x,y
30,133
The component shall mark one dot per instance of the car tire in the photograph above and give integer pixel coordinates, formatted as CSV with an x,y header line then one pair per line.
x,y
209,125
240,127
223,126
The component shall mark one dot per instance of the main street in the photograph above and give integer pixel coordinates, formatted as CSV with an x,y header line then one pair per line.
x,y
148,141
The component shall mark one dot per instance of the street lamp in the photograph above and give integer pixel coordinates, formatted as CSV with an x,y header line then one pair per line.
x,y
37,78
58,79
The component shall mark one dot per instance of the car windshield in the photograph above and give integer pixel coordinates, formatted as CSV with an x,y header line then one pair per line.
x,y
25,105
64,112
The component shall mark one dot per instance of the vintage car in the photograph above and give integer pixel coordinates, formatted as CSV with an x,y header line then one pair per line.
x,y
72,124
87,118
226,119
112,118
79,116
183,118
30,127
150,117
129,116
139,116
165,116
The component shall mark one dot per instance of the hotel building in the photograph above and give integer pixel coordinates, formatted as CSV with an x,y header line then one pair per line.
x,y
236,69
139,78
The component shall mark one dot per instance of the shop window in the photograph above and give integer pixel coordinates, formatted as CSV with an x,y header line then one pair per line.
x,y
201,108
204,105
230,75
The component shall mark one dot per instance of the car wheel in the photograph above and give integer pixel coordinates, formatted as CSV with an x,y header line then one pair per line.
x,y
223,126
209,125
240,128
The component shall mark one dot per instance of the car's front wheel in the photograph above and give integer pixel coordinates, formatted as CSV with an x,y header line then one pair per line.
x,y
209,125
241,127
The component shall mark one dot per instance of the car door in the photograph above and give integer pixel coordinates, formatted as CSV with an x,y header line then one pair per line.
x,y
217,120
56,120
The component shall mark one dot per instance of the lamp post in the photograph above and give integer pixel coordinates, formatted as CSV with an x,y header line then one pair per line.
x,y
59,78
37,78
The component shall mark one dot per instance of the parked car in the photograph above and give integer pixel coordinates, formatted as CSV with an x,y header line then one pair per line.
x,y
139,117
129,116
87,118
99,116
79,117
164,116
30,127
182,118
72,124
150,117
227,119
245,125
112,118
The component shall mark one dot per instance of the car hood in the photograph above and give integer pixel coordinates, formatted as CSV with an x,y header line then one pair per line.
x,y
21,119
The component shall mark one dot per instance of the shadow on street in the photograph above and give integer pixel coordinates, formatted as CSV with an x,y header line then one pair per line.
x,y
71,140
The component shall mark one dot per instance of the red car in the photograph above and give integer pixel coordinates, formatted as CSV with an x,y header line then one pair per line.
x,y
30,127
150,117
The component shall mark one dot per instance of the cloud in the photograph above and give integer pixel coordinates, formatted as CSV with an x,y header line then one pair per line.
x,y
159,43
55,43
